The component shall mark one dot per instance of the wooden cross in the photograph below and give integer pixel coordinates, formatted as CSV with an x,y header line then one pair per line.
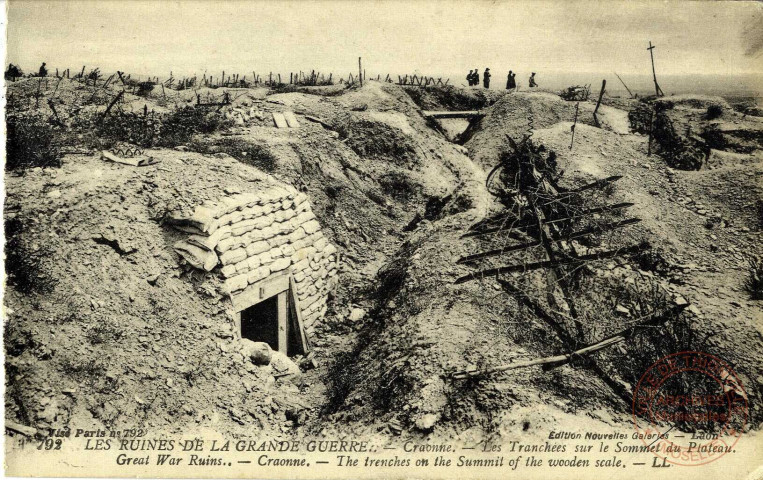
x,y
657,89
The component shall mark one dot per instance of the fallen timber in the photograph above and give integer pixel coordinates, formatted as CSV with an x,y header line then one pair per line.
x,y
521,223
571,260
452,114
522,246
538,209
558,360
565,194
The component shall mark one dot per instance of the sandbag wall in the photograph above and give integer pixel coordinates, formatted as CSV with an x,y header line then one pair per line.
x,y
253,236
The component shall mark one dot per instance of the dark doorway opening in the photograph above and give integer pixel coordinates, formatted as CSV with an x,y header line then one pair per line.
x,y
259,322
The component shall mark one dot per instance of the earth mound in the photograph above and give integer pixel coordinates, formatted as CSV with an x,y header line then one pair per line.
x,y
107,325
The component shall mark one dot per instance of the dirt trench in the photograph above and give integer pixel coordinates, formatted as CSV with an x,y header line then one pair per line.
x,y
423,326
397,324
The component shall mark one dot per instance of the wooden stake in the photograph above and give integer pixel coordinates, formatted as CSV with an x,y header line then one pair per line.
x,y
649,140
624,85
113,102
360,72
601,94
574,124
657,89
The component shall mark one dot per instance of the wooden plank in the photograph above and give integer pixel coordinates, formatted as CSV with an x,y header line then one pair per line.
x,y
283,323
262,290
291,120
296,312
527,267
280,120
571,236
452,114
526,222
558,360
19,428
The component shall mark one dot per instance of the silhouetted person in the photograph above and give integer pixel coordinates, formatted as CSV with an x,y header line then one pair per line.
x,y
43,70
476,77
532,81
13,72
511,82
486,78
470,77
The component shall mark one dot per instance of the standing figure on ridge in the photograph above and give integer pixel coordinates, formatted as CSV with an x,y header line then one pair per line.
x,y
511,83
486,78
532,81
43,70
470,77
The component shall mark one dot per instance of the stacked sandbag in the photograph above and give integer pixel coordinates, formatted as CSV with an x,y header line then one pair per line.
x,y
198,256
258,235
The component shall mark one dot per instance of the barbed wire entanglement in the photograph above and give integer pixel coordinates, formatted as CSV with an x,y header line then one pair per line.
x,y
555,236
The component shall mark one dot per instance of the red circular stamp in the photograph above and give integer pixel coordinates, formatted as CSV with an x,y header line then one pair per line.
x,y
690,408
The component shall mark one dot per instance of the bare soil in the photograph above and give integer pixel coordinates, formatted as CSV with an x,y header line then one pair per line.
x,y
109,328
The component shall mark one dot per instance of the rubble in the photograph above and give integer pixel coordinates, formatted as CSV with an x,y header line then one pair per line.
x,y
259,353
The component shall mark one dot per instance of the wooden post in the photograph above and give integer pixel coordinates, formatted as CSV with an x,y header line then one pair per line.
x,y
649,141
360,72
574,124
296,315
113,102
283,323
37,96
657,89
601,94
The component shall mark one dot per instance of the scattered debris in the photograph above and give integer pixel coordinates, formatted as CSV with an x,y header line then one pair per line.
x,y
138,161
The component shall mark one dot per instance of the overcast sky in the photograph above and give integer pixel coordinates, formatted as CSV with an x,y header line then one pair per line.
x,y
392,37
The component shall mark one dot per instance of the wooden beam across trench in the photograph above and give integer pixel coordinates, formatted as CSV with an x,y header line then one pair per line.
x,y
453,114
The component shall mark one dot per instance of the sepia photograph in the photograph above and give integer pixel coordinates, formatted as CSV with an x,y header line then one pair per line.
x,y
383,239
